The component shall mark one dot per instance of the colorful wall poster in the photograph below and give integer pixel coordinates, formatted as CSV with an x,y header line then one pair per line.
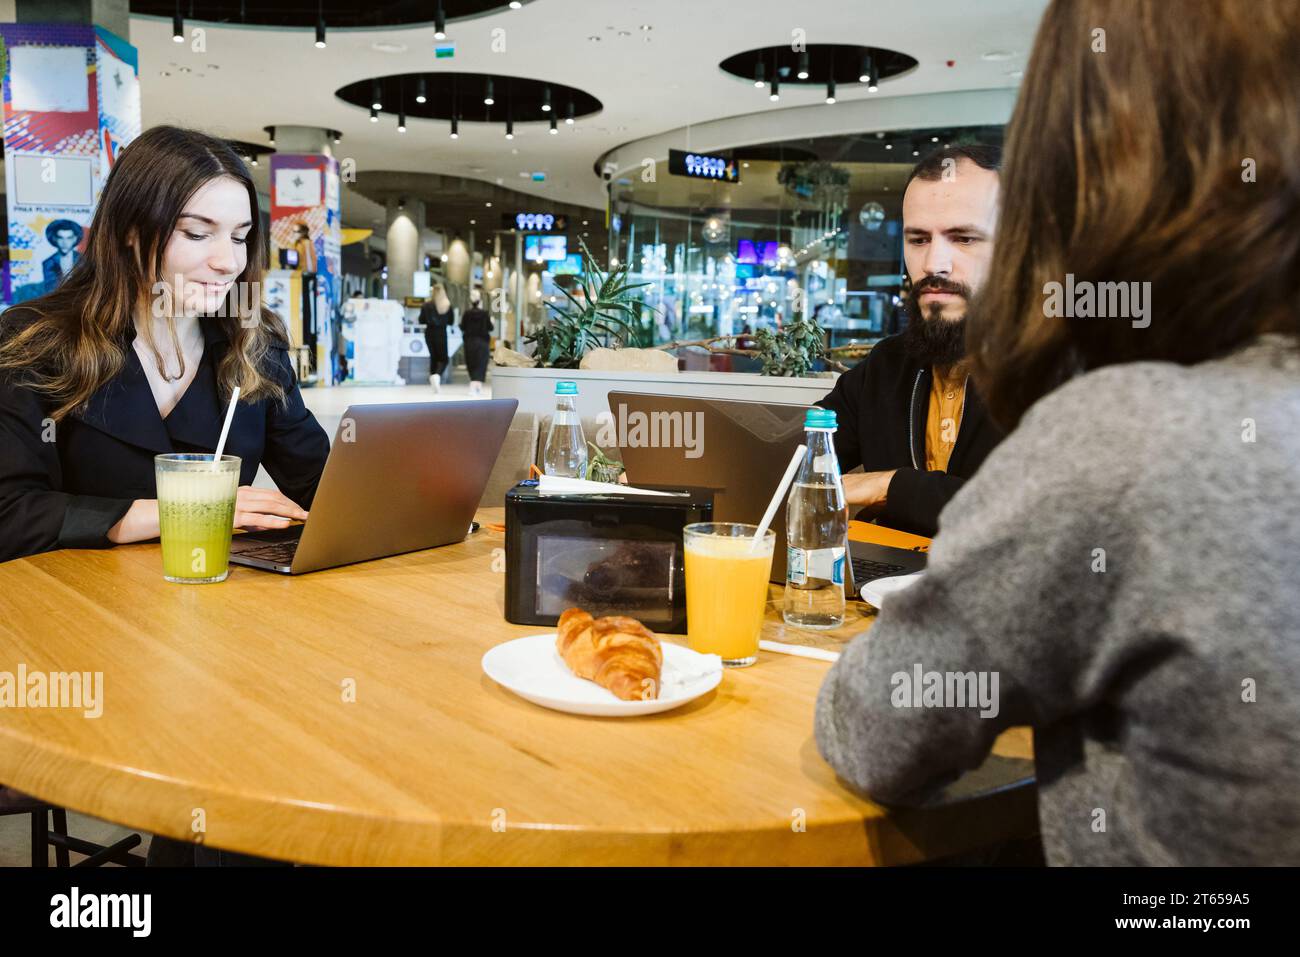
x,y
71,103
305,218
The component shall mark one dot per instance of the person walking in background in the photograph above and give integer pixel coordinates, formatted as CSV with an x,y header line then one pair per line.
x,y
477,326
436,315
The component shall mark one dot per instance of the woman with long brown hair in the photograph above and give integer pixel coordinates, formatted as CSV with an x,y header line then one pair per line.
x,y
138,351
1121,572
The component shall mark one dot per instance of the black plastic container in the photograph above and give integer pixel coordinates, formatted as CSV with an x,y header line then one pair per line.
x,y
618,554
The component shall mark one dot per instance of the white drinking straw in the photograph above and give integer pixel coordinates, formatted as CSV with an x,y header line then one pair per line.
x,y
778,497
799,651
225,428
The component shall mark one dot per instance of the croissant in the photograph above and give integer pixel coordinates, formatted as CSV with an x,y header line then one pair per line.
x,y
615,652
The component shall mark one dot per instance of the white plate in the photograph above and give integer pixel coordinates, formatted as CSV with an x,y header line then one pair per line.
x,y
877,590
534,670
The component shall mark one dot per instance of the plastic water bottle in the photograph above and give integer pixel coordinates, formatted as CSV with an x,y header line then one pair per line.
x,y
817,531
566,446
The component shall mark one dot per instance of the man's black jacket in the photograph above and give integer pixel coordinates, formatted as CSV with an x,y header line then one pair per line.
x,y
881,405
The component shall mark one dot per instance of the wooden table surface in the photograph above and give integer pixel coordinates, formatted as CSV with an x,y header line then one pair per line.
x,y
228,718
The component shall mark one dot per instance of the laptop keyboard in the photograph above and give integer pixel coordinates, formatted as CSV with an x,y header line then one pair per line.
x,y
865,570
280,553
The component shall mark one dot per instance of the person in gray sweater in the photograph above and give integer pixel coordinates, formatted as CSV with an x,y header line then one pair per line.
x,y
1123,571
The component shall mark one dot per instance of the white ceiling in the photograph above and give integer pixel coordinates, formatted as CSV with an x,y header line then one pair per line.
x,y
649,81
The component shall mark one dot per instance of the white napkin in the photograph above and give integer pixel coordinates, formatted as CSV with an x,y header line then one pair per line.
x,y
673,678
561,485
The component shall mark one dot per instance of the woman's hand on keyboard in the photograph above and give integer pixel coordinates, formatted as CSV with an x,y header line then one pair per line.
x,y
262,508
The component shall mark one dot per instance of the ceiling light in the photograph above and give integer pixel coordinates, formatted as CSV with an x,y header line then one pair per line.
x,y
473,222
374,115
515,4
830,90
376,96
934,139
421,90
401,121
568,119
488,205
455,128
865,75
439,23
646,27
776,90
996,55
444,257
873,81
546,100
803,65
487,94
178,25
554,128
338,137
320,24
271,130
889,146
510,129
760,74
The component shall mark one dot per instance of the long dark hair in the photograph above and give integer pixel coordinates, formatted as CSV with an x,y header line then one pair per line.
x,y
1140,163
80,332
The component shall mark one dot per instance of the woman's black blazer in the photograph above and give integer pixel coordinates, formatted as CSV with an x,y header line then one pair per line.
x,y
65,485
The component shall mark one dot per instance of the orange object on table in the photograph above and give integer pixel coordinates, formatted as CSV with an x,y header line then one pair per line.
x,y
881,535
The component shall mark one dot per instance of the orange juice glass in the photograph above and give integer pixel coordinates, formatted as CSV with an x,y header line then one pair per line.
x,y
726,589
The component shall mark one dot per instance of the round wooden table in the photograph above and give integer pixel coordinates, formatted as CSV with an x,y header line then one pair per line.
x,y
342,717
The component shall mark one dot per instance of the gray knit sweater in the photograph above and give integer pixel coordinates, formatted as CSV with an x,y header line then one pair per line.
x,y
1128,563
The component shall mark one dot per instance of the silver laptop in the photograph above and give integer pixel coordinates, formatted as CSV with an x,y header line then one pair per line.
x,y
398,478
740,449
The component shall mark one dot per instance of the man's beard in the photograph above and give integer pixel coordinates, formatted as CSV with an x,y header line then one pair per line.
x,y
932,340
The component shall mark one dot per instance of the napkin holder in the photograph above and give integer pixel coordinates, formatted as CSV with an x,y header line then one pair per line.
x,y
609,554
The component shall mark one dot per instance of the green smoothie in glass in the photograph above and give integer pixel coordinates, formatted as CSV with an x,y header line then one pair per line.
x,y
196,514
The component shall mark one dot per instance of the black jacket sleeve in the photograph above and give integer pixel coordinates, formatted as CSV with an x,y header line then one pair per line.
x,y
916,498
296,445
845,400
35,514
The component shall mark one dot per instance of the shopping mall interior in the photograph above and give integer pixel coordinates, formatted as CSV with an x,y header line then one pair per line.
x,y
745,166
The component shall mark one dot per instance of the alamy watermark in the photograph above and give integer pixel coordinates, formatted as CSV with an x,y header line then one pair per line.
x,y
652,430
243,300
946,689
53,689
1098,300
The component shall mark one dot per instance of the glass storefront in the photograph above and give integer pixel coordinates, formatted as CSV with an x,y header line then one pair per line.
x,y
813,228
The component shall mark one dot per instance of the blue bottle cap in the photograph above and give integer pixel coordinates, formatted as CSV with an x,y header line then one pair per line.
x,y
566,387
820,419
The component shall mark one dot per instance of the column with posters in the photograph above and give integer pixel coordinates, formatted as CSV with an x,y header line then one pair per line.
x,y
71,104
305,226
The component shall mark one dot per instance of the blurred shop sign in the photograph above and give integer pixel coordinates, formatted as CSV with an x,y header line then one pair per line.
x,y
535,222
703,166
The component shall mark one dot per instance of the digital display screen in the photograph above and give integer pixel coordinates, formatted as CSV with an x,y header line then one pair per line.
x,y
546,248
750,251
570,265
